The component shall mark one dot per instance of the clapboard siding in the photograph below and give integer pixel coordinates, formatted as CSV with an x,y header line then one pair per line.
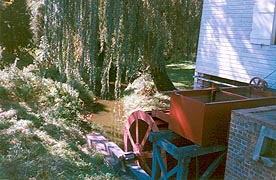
x,y
218,40
224,47
262,66
239,67
249,54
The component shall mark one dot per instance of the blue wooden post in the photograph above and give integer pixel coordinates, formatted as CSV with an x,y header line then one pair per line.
x,y
182,154
156,172
183,168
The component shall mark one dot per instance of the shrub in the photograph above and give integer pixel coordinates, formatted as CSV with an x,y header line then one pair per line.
x,y
40,94
43,138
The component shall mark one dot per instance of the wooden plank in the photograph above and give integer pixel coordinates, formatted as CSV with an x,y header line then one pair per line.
x,y
97,141
264,133
166,134
213,81
196,150
163,115
137,171
114,156
213,166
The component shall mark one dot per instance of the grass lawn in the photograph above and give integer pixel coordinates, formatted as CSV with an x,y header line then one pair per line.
x,y
181,74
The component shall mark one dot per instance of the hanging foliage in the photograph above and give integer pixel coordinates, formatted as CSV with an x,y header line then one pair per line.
x,y
15,32
103,41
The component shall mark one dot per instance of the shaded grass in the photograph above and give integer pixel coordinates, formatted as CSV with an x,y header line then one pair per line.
x,y
181,74
44,138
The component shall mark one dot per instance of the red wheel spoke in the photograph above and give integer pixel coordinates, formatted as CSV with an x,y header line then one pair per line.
x,y
143,142
136,131
130,138
136,134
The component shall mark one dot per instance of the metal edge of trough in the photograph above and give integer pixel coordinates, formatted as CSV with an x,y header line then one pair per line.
x,y
113,156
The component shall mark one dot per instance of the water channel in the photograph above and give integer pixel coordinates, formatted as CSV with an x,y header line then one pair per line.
x,y
111,120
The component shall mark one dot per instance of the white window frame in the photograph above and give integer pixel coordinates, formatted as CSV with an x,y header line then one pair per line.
x,y
264,22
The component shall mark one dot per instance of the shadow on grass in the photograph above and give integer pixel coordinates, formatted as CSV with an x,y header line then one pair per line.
x,y
27,155
181,74
21,112
40,146
31,158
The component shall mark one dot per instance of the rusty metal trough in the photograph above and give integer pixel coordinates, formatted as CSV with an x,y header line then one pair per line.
x,y
203,116
200,119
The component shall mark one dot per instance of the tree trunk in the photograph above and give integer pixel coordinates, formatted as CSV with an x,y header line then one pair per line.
x,y
161,78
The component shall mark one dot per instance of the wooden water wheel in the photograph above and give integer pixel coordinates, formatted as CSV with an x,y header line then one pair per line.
x,y
136,133
258,83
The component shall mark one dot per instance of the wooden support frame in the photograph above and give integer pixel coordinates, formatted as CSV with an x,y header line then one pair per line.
x,y
183,155
265,132
116,157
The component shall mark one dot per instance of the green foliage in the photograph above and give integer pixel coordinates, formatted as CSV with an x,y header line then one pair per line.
x,y
15,33
15,30
6,59
42,130
142,95
24,86
111,40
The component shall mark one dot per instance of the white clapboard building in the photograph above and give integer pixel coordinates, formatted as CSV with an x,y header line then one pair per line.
x,y
237,42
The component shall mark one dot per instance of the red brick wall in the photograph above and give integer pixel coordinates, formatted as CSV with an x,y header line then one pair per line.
x,y
243,136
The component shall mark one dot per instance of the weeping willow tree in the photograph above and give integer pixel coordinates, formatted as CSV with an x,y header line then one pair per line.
x,y
103,41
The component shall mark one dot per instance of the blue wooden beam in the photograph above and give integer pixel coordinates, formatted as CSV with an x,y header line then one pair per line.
x,y
137,171
161,141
